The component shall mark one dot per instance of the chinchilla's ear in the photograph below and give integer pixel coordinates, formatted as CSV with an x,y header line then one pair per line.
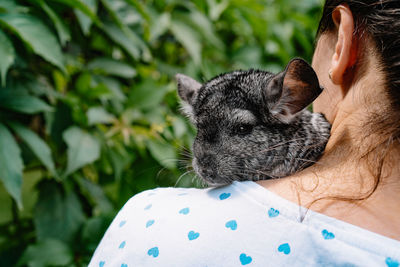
x,y
187,90
291,90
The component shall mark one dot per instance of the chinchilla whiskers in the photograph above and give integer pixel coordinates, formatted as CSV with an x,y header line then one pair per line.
x,y
251,174
198,181
259,172
160,171
247,175
183,162
284,143
303,159
319,144
201,182
186,154
173,160
184,149
185,166
218,184
180,177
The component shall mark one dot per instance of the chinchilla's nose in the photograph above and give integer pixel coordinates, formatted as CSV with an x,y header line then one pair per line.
x,y
207,161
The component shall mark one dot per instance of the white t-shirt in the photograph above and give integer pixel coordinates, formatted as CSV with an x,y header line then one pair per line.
x,y
242,224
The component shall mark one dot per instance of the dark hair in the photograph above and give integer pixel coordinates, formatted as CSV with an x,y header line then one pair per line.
x,y
379,21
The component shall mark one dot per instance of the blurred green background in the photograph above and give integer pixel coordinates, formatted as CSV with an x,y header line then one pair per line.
x,y
89,114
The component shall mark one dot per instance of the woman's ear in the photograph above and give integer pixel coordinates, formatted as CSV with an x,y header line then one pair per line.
x,y
345,54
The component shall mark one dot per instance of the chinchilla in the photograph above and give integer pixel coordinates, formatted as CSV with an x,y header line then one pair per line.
x,y
254,125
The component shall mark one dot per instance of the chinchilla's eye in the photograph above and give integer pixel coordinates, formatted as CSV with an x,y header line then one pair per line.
x,y
244,129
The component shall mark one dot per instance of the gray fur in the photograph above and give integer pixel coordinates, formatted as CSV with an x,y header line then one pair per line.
x,y
253,125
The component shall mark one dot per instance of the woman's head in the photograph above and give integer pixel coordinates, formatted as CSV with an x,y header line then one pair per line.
x,y
357,60
358,39
380,21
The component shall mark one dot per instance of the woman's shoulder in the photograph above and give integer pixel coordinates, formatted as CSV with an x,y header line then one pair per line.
x,y
167,196
233,225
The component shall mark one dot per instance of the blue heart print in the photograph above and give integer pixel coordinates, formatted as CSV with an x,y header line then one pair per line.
x,y
153,252
149,223
124,265
392,262
224,196
244,259
285,248
122,223
101,264
184,211
231,224
273,212
148,207
327,235
192,235
122,245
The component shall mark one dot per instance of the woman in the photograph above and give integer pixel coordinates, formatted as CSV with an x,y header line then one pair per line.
x,y
352,193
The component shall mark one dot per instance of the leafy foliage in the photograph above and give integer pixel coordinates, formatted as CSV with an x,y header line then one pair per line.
x,y
89,113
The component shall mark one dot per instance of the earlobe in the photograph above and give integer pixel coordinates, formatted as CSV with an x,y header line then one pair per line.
x,y
345,53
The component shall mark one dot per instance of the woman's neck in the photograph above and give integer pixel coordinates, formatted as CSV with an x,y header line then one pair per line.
x,y
342,184
347,192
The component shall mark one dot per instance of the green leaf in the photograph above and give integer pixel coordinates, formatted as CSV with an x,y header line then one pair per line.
x,y
114,86
127,38
147,95
36,144
120,159
93,231
84,20
8,5
99,115
58,214
62,31
163,152
160,25
179,127
7,55
83,149
112,7
188,38
82,5
112,67
121,12
215,9
36,34
48,252
94,193
248,56
11,164
140,7
203,25
11,6
21,101
88,87
118,36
